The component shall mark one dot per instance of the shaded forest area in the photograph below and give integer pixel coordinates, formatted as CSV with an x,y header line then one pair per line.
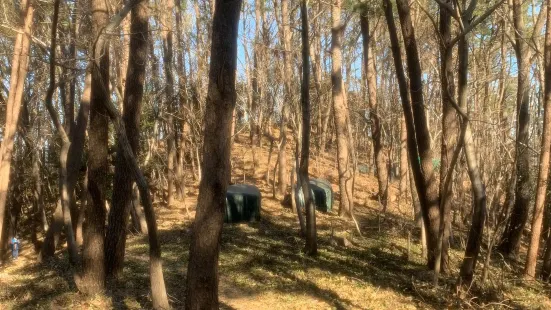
x,y
128,125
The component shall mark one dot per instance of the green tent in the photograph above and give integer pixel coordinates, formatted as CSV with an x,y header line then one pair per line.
x,y
242,203
323,194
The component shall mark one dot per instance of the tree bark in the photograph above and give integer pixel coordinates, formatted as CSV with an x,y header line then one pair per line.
x,y
340,107
303,179
285,29
543,175
18,75
419,148
376,128
93,278
115,240
510,241
449,137
202,276
166,33
474,240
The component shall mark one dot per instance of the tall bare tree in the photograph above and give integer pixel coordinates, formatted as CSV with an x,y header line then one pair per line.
x,y
543,175
510,241
341,114
202,276
115,239
19,66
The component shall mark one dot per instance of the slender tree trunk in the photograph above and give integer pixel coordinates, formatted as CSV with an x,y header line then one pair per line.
x,y
303,180
346,173
511,238
166,33
376,128
66,195
115,240
13,106
474,240
285,29
403,161
449,138
202,276
541,192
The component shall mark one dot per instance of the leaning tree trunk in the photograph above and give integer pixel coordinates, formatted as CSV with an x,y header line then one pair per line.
x,y
376,128
510,241
532,255
474,240
346,173
159,296
18,75
419,147
202,276
115,239
65,144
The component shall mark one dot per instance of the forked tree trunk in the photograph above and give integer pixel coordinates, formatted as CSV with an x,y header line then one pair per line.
x,y
66,195
159,296
376,128
123,194
202,275
532,255
346,173
510,241
18,75
419,148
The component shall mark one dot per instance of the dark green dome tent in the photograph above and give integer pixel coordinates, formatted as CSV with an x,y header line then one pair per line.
x,y
242,203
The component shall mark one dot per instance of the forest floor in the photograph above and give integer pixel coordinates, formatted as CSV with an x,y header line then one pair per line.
x,y
262,265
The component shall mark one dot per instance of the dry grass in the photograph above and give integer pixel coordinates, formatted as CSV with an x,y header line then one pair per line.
x,y
262,265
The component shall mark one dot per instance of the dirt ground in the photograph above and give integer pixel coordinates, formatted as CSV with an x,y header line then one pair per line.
x,y
262,265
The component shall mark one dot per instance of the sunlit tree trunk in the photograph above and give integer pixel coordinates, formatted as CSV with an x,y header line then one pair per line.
x,y
340,107
541,191
376,128
510,241
18,75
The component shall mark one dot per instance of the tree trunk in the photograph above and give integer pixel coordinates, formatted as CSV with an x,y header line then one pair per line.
x,y
449,137
510,241
13,106
303,180
158,290
285,29
202,276
166,33
340,107
93,278
376,128
541,191
403,162
115,240
474,240
419,148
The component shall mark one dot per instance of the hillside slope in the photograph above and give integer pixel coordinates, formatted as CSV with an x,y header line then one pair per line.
x,y
262,265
